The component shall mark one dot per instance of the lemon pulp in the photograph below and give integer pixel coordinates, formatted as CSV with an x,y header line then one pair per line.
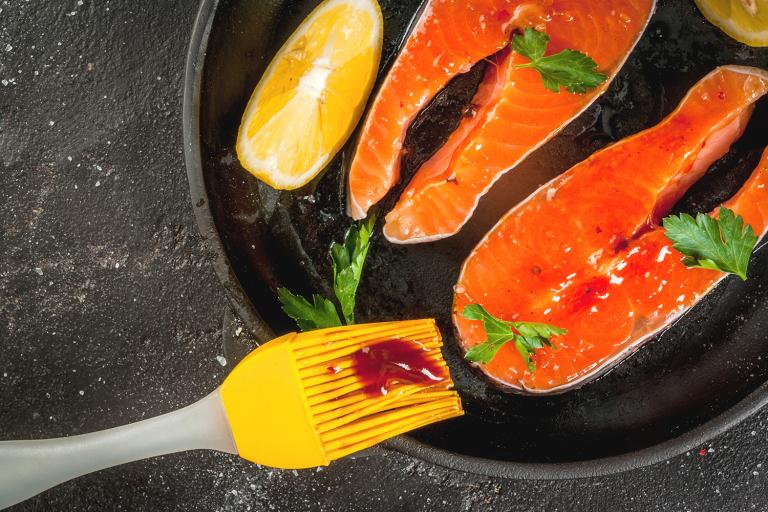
x,y
744,20
312,94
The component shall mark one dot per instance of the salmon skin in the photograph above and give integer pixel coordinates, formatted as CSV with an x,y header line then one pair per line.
x,y
585,252
511,114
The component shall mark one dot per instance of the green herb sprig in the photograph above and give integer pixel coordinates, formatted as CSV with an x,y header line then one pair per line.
x,y
718,243
573,70
527,336
348,259
318,314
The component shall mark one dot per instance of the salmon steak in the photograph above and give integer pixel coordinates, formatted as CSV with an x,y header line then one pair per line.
x,y
586,251
511,114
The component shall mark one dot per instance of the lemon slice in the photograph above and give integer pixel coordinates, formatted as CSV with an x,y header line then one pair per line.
x,y
744,20
312,94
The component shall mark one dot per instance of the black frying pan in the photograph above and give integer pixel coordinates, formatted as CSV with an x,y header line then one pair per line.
x,y
704,374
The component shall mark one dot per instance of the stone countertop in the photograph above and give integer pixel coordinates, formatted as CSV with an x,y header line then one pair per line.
x,y
110,311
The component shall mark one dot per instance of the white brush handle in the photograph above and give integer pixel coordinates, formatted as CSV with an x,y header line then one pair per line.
x,y
28,468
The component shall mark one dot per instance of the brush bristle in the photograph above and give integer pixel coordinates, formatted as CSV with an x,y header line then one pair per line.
x,y
346,418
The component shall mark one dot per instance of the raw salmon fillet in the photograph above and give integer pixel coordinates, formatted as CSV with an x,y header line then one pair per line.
x,y
512,112
586,253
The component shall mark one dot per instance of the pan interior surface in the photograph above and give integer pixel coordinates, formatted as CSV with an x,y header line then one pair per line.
x,y
712,359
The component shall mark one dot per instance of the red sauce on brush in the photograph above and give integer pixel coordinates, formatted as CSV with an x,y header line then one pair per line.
x,y
382,365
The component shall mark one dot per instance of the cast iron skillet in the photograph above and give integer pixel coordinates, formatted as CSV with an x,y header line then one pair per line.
x,y
699,378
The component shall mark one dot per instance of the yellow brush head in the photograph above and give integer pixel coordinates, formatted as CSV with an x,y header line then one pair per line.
x,y
299,401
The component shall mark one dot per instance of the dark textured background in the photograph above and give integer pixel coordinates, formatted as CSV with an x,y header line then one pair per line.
x,y
110,311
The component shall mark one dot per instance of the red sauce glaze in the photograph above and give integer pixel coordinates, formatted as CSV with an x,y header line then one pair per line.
x,y
382,365
589,293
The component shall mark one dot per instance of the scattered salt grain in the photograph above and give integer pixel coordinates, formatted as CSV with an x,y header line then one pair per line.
x,y
39,271
97,184
222,360
8,47
81,392
51,123
238,331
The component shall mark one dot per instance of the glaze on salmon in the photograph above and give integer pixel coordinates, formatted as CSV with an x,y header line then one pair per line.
x,y
586,253
512,112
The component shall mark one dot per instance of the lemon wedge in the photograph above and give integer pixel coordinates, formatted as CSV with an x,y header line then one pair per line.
x,y
312,94
744,20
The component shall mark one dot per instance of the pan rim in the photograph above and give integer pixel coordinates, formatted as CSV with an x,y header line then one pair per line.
x,y
242,305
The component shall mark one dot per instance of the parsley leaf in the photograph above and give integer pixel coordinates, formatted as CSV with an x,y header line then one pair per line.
x,y
497,333
721,243
317,315
527,336
348,259
573,70
531,43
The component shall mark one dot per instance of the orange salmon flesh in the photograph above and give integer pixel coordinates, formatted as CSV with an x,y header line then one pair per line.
x,y
513,114
585,252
